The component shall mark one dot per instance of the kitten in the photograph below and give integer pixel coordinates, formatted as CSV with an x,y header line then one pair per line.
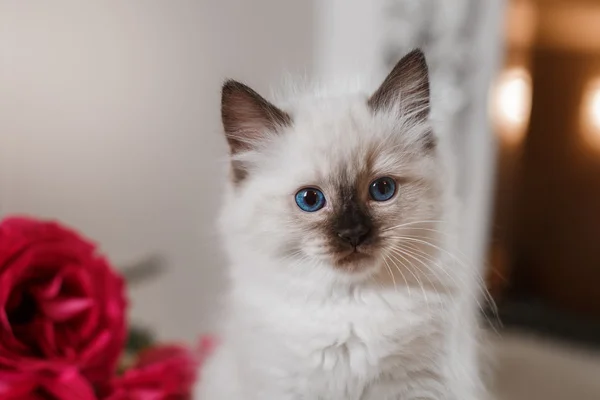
x,y
338,225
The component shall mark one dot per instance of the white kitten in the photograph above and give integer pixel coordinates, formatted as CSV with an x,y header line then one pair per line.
x,y
338,224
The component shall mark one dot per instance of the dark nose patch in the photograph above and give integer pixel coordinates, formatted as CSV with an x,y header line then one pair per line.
x,y
352,225
354,235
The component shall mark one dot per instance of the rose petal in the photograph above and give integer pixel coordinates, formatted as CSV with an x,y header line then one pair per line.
x,y
13,242
12,342
169,370
94,348
48,290
70,385
65,309
15,385
137,394
93,316
4,324
48,340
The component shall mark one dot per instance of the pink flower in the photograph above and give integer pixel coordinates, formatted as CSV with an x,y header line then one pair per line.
x,y
62,312
161,373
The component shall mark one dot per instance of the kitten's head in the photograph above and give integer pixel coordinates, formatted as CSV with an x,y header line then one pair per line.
x,y
332,182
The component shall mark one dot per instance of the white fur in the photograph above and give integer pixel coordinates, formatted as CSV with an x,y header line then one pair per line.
x,y
297,328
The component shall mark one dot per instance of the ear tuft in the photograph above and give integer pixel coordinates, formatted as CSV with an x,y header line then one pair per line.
x,y
247,117
248,120
406,86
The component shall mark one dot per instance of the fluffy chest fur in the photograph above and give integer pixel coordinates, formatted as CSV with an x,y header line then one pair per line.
x,y
356,336
364,344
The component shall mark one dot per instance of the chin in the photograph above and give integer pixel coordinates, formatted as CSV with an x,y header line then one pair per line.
x,y
356,263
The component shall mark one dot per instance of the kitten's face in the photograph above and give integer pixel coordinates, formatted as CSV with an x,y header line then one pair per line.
x,y
333,182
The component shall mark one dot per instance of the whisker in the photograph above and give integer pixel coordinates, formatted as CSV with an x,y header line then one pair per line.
x,y
429,269
391,273
428,238
434,221
399,251
473,295
456,259
416,278
403,277
417,228
488,297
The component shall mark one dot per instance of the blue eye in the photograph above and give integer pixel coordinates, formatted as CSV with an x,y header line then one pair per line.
x,y
310,199
382,189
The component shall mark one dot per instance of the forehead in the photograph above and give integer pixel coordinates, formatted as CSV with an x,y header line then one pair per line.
x,y
335,143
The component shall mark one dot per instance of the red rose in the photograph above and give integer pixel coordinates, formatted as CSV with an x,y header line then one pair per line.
x,y
67,384
161,373
62,311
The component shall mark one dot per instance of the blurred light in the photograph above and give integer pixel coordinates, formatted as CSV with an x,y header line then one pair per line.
x,y
591,114
595,109
511,104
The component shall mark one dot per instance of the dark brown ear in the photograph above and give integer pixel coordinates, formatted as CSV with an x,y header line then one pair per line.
x,y
247,117
406,87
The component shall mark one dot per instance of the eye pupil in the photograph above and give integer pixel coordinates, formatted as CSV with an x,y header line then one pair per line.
x,y
310,200
310,197
382,189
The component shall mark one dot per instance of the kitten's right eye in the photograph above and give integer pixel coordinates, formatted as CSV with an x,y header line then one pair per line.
x,y
310,199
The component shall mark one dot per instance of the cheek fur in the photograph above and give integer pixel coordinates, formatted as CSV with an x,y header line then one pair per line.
x,y
306,228
414,203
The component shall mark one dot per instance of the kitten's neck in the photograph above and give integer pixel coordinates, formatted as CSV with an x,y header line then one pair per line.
x,y
297,282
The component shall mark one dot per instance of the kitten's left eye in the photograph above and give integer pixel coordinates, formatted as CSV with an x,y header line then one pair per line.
x,y
382,189
310,199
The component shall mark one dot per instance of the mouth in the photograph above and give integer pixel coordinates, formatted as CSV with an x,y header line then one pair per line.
x,y
350,260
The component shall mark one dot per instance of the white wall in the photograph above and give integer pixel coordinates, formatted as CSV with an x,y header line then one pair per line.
x,y
109,121
349,35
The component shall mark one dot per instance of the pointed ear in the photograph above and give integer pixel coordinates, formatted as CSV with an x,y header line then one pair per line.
x,y
247,117
407,87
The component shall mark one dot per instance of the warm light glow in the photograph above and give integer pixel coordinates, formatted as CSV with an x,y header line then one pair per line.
x,y
591,114
512,104
595,109
511,100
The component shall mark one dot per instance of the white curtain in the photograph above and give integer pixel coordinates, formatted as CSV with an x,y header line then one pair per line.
x,y
462,41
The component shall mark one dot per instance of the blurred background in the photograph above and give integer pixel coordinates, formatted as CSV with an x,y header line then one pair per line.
x,y
109,122
544,253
